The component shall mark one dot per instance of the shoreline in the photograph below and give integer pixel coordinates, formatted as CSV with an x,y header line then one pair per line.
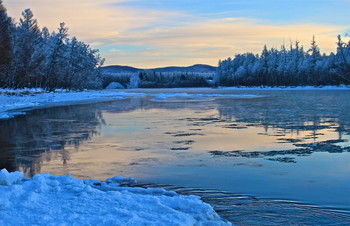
x,y
16,102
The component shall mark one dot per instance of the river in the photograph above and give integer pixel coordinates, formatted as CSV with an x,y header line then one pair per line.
x,y
290,145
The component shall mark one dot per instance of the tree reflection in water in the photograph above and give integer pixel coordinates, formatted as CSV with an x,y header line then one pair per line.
x,y
28,140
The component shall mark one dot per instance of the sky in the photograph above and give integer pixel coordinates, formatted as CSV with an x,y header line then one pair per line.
x,y
157,33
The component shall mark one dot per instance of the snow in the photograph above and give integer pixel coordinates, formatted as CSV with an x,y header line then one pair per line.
x,y
197,97
7,178
62,200
166,96
341,87
115,85
11,100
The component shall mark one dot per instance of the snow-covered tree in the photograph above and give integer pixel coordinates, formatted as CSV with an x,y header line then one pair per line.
x,y
27,38
82,70
30,57
55,61
134,81
343,59
5,44
291,66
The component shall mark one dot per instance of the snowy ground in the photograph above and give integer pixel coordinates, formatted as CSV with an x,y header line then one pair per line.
x,y
62,200
342,87
12,101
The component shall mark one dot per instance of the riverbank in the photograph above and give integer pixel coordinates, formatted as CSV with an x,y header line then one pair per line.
x,y
13,102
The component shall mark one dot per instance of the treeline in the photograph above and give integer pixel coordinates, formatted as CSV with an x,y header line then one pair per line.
x,y
34,57
152,79
291,66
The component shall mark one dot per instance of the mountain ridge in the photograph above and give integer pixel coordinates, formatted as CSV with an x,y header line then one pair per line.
x,y
196,68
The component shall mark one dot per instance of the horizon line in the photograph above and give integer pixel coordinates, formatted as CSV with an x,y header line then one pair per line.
x,y
155,67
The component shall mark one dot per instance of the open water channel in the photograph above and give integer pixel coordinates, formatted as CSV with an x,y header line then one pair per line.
x,y
258,156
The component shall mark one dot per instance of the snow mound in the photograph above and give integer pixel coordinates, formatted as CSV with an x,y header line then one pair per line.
x,y
7,178
62,200
115,85
121,180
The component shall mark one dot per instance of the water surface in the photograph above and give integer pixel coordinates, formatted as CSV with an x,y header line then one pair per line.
x,y
278,144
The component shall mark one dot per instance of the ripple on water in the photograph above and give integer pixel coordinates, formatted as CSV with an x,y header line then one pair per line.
x,y
249,210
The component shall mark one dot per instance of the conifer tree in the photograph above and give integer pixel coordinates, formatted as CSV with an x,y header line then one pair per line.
x,y
5,45
27,38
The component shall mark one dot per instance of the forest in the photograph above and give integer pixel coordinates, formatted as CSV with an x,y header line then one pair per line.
x,y
291,66
34,57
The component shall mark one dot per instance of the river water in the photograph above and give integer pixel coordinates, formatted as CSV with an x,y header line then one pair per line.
x,y
278,146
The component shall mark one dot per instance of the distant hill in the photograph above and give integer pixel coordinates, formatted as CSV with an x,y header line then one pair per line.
x,y
197,68
119,69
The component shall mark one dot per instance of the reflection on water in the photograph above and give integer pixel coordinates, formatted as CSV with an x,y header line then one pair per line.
x,y
29,140
291,145
308,149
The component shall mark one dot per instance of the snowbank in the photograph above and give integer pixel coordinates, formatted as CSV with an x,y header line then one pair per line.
x,y
11,100
341,87
115,85
62,200
7,178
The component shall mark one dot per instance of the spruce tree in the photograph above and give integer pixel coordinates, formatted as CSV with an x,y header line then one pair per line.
x,y
27,39
5,45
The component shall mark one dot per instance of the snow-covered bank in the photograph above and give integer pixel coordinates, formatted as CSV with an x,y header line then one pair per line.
x,y
62,200
182,90
342,87
11,100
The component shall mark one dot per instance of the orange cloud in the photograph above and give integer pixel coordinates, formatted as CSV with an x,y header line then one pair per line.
x,y
167,37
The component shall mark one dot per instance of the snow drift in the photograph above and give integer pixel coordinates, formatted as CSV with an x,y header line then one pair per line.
x,y
62,200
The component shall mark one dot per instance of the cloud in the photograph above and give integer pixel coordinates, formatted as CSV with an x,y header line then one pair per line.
x,y
211,40
138,36
90,19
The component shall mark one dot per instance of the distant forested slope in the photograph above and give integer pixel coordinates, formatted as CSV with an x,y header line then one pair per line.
x,y
197,68
198,75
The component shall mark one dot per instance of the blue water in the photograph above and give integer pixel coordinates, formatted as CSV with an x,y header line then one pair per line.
x,y
273,145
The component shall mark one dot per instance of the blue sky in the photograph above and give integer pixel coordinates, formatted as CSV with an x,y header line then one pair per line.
x,y
157,33
284,11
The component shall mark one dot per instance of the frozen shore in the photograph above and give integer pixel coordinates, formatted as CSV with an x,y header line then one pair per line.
x,y
62,200
12,102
